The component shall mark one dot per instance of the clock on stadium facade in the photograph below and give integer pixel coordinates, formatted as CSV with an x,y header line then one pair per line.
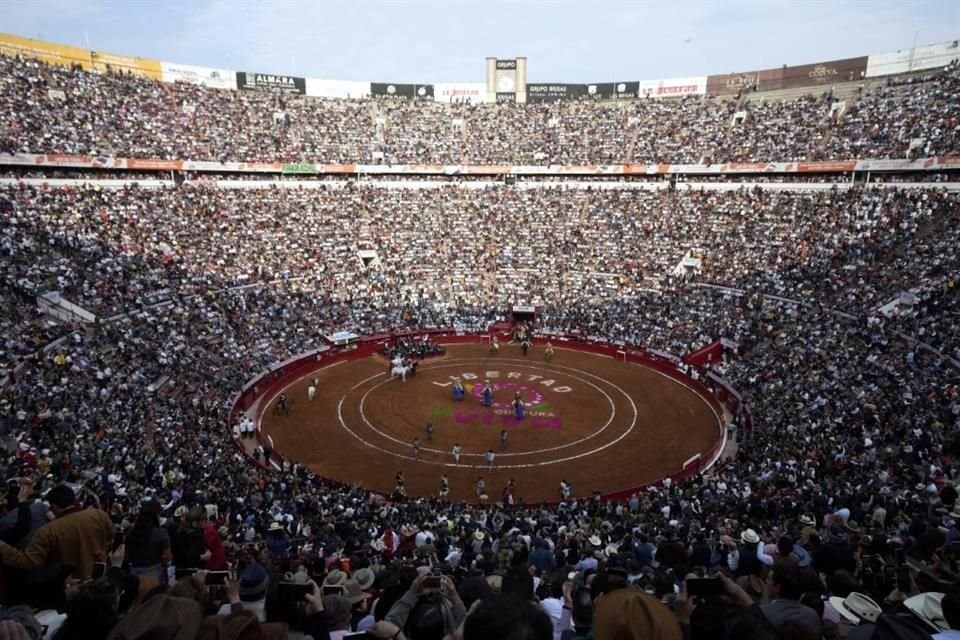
x,y
506,79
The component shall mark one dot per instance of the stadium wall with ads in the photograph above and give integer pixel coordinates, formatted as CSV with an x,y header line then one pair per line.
x,y
942,163
921,58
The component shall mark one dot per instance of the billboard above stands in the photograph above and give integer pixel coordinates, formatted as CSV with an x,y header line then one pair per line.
x,y
555,91
731,83
391,90
471,92
203,76
672,88
250,81
43,51
613,90
344,89
824,73
111,62
930,56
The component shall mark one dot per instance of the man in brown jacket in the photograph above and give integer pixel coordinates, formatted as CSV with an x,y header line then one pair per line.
x,y
77,536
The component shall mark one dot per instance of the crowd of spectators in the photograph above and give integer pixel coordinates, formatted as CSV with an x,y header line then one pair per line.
x,y
836,515
48,109
851,426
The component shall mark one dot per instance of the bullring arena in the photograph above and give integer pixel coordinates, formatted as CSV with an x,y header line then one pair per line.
x,y
233,302
597,422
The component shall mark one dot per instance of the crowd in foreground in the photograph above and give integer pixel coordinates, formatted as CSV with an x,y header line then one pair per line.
x,y
836,516
48,109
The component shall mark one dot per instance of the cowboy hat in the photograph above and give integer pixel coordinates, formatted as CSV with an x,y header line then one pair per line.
x,y
365,577
275,526
927,607
857,607
749,537
335,578
353,592
807,520
165,616
479,535
595,541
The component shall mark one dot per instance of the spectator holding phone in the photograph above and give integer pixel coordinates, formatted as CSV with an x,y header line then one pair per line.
x,y
430,609
148,544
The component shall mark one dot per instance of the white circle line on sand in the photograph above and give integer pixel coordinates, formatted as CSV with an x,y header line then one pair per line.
x,y
544,463
466,361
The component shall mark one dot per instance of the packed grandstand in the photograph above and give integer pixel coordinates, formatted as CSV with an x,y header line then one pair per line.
x,y
163,243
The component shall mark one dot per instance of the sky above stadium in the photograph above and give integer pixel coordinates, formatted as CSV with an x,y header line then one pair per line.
x,y
447,41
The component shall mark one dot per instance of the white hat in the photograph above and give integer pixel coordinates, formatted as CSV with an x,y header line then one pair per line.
x,y
857,607
595,540
928,608
749,537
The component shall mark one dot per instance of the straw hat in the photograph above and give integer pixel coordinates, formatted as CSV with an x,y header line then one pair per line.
x,y
749,537
857,607
928,607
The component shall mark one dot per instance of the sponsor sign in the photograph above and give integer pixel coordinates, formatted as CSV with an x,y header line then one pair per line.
x,y
613,90
43,51
731,83
303,168
507,64
824,73
250,81
109,62
506,96
344,89
552,91
673,88
930,56
397,90
204,76
472,92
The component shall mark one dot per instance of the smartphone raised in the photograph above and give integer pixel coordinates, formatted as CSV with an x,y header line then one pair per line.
x,y
331,591
293,591
432,582
903,579
215,578
705,586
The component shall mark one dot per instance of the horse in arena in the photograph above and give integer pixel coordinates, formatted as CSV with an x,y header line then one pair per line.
x,y
401,368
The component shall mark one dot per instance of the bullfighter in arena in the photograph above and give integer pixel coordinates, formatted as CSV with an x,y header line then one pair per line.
x,y
457,390
519,409
548,352
487,394
494,345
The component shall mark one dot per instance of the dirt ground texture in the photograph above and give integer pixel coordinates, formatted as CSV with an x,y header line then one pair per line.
x,y
598,423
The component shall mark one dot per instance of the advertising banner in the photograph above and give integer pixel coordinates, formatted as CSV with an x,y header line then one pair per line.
x,y
43,51
929,56
824,73
299,168
551,91
506,96
507,65
673,88
397,90
250,81
113,63
204,76
731,83
470,92
343,89
613,90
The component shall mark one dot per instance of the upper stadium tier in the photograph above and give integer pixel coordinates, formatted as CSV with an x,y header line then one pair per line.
x,y
889,106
